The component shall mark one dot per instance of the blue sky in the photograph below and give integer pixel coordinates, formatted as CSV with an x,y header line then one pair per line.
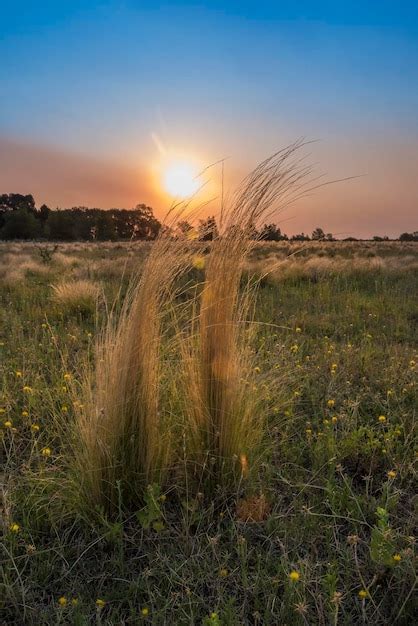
x,y
88,83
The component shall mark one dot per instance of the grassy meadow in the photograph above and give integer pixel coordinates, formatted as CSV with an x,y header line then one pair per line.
x,y
293,503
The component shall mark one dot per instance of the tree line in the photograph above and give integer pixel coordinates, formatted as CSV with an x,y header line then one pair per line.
x,y
21,219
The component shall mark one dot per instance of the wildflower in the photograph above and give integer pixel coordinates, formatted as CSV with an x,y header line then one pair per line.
x,y
100,603
14,528
30,549
294,348
309,432
46,451
2,411
18,374
257,370
223,573
62,601
8,423
326,422
294,576
74,601
412,363
391,474
298,329
34,428
397,558
25,414
390,392
163,498
27,389
382,418
363,594
67,376
64,408
199,262
331,403
43,325
334,419
145,611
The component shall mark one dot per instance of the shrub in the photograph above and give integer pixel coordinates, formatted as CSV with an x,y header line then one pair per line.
x,y
77,296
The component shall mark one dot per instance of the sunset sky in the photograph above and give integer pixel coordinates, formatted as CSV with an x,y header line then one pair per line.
x,y
97,96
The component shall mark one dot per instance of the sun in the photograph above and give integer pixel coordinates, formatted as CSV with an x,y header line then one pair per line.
x,y
180,179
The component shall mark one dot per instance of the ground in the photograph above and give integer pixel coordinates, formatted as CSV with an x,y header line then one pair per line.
x,y
338,328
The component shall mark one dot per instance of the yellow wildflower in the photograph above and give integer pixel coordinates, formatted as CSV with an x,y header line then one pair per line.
x,y
199,262
331,403
2,410
25,414
14,527
298,329
27,389
62,601
67,376
382,418
334,419
46,451
8,423
391,474
363,594
397,558
18,374
34,428
223,573
294,576
100,603
145,611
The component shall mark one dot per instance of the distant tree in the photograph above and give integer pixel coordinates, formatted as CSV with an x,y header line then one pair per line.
x,y
20,224
318,234
271,232
409,236
61,225
207,229
184,227
379,238
13,202
43,213
105,229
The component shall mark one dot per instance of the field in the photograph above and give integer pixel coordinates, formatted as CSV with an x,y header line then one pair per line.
x,y
323,534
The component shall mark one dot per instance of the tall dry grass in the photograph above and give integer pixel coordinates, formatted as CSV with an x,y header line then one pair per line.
x,y
127,433
122,441
225,425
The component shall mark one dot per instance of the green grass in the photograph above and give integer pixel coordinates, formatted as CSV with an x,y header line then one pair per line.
x,y
340,491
